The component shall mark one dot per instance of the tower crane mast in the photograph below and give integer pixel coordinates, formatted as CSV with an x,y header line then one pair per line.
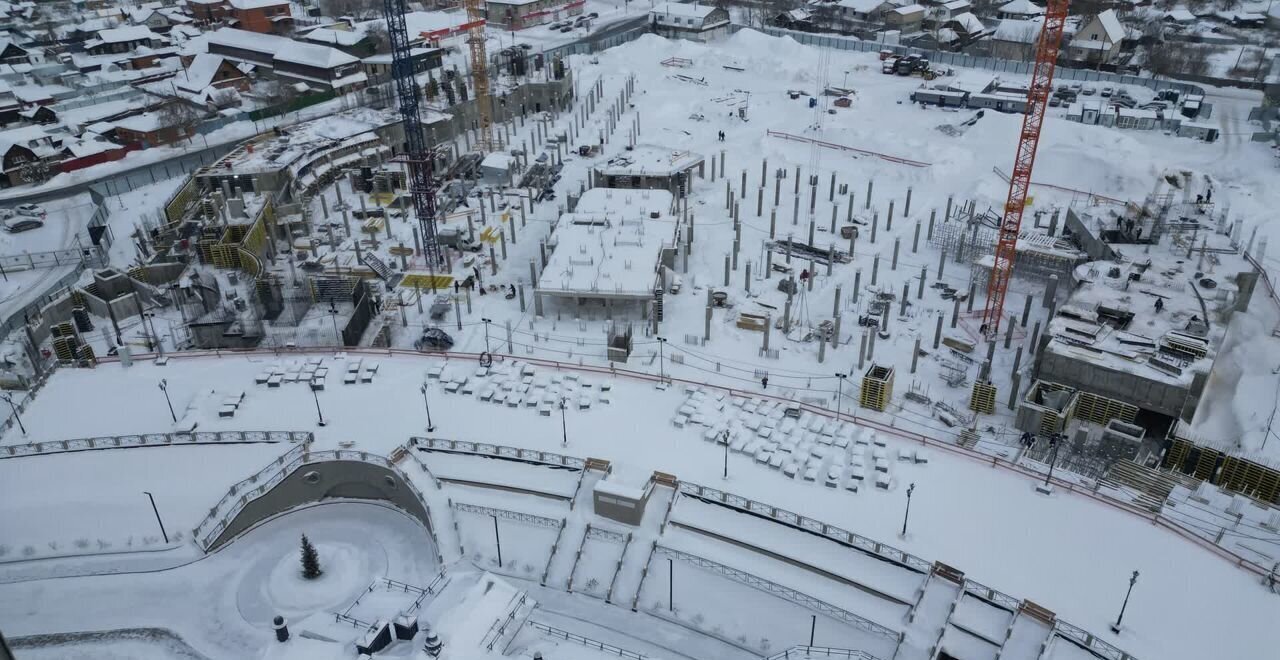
x,y
1020,181
480,75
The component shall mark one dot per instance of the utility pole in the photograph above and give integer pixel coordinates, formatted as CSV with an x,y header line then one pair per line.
x,y
166,534
725,435
907,514
1133,579
671,585
431,428
486,334
164,387
813,627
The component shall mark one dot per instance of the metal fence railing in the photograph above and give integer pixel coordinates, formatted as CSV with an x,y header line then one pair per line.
x,y
154,440
585,641
807,524
1086,639
784,592
89,257
810,652
499,451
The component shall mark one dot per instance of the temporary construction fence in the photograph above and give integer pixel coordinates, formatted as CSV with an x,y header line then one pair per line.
x,y
943,58
154,440
498,451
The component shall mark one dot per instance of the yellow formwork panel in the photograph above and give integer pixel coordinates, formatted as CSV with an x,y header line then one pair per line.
x,y
424,281
983,399
489,234
382,198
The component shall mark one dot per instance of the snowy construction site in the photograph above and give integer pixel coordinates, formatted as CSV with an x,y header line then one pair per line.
x,y
736,349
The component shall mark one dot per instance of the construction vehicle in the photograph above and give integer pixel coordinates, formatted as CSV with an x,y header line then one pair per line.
x,y
889,65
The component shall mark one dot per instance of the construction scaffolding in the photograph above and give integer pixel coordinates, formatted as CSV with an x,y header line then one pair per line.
x,y
968,236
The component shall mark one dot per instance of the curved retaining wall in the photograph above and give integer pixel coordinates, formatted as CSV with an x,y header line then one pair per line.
x,y
314,482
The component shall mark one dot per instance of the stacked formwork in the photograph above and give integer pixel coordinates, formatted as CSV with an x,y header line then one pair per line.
x,y
877,388
1217,467
983,397
1046,408
1100,409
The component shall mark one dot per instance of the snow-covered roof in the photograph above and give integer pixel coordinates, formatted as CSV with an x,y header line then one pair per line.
x,y
861,6
313,55
255,4
1022,7
143,123
683,9
1111,24
1017,30
126,34
1180,15
969,22
329,36
799,14
909,10
200,72
956,5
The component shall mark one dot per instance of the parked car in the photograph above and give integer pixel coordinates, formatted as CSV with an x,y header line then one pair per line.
x,y
1055,101
6,213
19,224
593,15
1089,91
31,209
1107,92
567,28
434,339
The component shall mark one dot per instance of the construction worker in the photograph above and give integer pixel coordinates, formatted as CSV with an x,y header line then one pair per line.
x,y
764,382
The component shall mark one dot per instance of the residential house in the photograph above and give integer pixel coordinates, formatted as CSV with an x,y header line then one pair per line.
x,y
150,129
22,145
795,19
11,53
520,14
941,12
907,20
122,40
961,30
9,106
695,22
319,67
1015,39
424,59
206,12
852,15
261,16
152,18
208,74
1019,10
1098,40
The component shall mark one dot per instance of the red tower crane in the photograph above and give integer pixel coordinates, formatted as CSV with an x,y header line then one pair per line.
x,y
1020,181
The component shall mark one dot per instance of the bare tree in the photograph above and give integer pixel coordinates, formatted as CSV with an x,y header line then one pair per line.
x,y
225,98
181,116
377,35
35,171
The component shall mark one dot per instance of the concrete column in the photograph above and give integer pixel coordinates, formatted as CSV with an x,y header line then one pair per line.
x,y
955,312
835,208
1017,361
768,327
706,325
726,270
811,230
888,223
813,275
742,194
1050,292
723,172
813,197
915,240
1026,311
1035,338
777,190
937,333
875,269
973,292
947,215
1014,382
924,275
862,351
932,215
915,355
942,261
831,193
871,346
520,294
848,216
822,352
906,208
747,278
897,243
542,249
1008,335
906,295
768,264
759,202
764,170
795,211
457,312
796,192
835,303
857,284
773,222
870,185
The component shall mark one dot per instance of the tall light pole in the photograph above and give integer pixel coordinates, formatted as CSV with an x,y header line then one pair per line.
x,y
907,514
333,313
497,539
164,387
486,333
319,414
839,393
431,428
671,585
1053,456
157,512
725,436
662,376
16,416
1133,579
564,425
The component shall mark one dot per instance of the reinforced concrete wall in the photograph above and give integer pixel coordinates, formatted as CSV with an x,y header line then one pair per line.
x,y
1164,398
314,482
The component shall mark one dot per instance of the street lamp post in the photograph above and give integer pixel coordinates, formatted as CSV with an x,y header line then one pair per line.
x,y
497,539
564,425
1133,579
486,333
157,512
1053,456
671,585
839,392
333,313
164,387
431,428
813,627
726,453
16,416
662,376
907,513
319,414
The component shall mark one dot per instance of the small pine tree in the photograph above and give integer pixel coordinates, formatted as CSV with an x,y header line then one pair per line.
x,y
462,88
433,88
310,560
